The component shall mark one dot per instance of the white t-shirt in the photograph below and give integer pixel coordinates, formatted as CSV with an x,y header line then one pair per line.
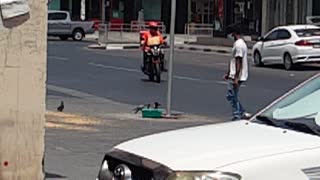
x,y
239,50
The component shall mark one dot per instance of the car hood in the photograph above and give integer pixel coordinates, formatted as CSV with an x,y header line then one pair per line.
x,y
215,146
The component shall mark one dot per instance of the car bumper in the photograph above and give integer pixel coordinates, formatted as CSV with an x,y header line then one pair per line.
x,y
307,55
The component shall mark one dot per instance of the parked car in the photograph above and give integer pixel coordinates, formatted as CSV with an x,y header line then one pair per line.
x,y
60,25
282,142
289,45
314,20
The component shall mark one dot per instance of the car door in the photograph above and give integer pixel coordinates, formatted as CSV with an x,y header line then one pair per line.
x,y
58,24
268,46
281,44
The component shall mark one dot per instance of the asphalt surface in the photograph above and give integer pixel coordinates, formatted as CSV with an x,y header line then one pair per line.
x,y
108,84
197,87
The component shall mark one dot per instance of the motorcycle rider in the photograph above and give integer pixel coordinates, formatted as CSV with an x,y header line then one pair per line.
x,y
149,38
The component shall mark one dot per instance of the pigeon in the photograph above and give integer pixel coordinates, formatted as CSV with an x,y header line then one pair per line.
x,y
61,107
139,108
157,105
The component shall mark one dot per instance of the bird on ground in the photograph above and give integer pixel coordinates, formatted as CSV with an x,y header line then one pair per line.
x,y
139,108
61,107
157,105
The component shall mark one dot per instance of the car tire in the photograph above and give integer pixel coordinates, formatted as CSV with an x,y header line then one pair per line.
x,y
257,59
287,62
63,38
77,35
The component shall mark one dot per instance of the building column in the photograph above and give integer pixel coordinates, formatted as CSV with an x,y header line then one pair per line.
x,y
309,7
83,10
189,11
264,17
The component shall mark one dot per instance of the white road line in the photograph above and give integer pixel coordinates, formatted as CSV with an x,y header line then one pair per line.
x,y
114,67
58,58
176,77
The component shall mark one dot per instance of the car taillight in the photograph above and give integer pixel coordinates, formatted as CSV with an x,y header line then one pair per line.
x,y
303,43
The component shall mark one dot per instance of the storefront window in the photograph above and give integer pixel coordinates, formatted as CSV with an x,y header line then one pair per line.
x,y
210,12
117,9
152,9
54,5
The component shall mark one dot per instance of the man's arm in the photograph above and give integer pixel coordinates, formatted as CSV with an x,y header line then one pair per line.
x,y
238,69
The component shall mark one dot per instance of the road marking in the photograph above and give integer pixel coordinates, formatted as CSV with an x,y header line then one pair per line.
x,y
58,58
114,67
176,77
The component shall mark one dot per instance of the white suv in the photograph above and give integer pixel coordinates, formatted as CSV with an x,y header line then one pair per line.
x,y
279,143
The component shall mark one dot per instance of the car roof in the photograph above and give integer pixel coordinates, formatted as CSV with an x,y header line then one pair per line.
x,y
300,26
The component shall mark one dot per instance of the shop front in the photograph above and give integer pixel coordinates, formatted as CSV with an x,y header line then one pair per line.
x,y
244,15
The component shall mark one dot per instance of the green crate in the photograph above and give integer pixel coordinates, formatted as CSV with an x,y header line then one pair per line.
x,y
152,113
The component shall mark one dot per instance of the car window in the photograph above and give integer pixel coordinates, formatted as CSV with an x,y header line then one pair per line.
x,y
308,32
283,34
302,106
57,16
272,36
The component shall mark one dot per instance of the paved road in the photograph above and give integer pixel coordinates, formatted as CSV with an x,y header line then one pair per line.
x,y
107,85
198,87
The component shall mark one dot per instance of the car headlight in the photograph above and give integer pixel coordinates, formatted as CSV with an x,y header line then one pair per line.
x,y
204,176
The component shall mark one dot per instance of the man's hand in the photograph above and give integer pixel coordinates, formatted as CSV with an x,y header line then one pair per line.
x,y
236,82
225,77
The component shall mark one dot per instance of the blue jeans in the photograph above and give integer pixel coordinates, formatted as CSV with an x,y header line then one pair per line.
x,y
232,97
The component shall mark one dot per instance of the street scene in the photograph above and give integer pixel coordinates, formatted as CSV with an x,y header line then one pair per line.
x,y
160,90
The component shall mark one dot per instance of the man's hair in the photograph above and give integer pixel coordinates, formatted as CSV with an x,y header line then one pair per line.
x,y
232,30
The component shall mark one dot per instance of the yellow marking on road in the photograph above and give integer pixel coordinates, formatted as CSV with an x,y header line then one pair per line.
x,y
67,121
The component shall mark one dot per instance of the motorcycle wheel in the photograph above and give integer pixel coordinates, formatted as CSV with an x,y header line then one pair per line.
x,y
158,72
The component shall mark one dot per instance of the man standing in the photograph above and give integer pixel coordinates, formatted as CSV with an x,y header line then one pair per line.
x,y
237,74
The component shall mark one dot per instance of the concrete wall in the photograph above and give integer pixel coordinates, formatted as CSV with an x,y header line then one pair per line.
x,y
23,48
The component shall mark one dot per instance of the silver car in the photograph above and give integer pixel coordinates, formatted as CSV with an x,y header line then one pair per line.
x,y
61,25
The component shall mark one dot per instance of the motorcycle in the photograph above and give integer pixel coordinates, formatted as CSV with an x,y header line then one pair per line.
x,y
155,63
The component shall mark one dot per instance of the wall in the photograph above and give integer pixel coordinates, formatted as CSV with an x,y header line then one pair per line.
x,y
23,47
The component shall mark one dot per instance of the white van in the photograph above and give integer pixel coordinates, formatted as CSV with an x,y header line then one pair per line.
x,y
281,142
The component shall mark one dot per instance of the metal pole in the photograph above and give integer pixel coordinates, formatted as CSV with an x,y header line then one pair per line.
x,y
170,75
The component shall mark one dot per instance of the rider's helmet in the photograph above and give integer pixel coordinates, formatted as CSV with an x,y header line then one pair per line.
x,y
153,27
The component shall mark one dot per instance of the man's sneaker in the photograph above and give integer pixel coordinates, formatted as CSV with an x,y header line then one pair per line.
x,y
246,115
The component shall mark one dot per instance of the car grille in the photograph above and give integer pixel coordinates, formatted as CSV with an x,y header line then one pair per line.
x,y
138,173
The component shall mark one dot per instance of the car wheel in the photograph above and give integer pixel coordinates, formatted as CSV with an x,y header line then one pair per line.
x,y
257,59
287,62
78,35
63,38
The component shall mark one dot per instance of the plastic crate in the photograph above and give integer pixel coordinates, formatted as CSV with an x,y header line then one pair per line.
x,y
152,113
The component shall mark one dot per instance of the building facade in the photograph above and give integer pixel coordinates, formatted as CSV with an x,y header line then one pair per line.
x,y
251,16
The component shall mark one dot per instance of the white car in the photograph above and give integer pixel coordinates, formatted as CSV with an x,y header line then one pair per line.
x,y
289,45
282,142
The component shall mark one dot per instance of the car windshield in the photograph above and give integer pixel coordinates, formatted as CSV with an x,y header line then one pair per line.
x,y
308,32
299,111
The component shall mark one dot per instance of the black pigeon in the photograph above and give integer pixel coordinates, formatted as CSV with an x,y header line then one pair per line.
x,y
61,107
139,108
157,105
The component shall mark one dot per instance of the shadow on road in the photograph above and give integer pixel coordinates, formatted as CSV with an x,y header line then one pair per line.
x,y
51,175
309,67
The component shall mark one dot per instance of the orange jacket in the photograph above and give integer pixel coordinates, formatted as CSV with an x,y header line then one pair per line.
x,y
148,39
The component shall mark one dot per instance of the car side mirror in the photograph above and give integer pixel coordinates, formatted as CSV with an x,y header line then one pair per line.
x,y
261,38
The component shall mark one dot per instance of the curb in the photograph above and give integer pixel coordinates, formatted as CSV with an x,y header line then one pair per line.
x,y
194,48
